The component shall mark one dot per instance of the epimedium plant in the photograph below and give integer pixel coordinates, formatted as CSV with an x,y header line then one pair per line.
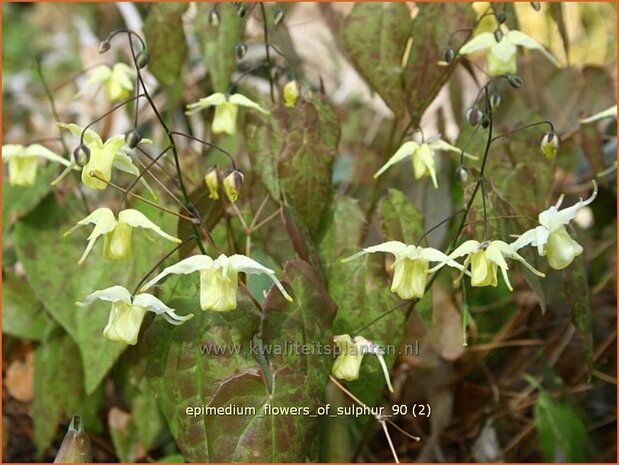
x,y
283,257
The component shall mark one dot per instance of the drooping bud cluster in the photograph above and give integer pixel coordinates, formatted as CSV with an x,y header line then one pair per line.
x,y
240,50
448,54
142,58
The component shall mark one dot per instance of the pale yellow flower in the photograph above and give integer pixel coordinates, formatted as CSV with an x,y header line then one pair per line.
x,y
410,269
103,157
24,161
484,258
351,352
501,55
117,81
551,238
128,312
226,110
218,278
422,155
117,233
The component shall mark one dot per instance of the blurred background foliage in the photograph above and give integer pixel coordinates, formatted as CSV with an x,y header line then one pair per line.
x,y
537,381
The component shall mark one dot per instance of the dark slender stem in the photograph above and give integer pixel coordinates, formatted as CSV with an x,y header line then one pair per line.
x,y
52,103
483,202
265,28
439,224
108,113
142,173
208,144
170,136
527,126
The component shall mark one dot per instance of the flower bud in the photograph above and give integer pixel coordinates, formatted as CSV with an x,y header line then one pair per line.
x,y
495,101
549,145
485,121
501,18
81,155
291,94
142,58
448,54
462,175
133,138
498,34
240,50
514,81
75,447
213,18
473,116
536,6
241,10
212,183
233,184
104,46
278,16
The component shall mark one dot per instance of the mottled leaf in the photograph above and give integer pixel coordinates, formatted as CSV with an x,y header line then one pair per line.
x,y
432,27
218,42
375,36
165,41
50,264
304,166
577,293
235,377
400,220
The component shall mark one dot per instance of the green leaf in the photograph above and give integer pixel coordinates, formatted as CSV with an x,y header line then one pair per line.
x,y
174,353
165,40
400,220
577,293
375,36
264,137
305,166
235,377
218,43
49,261
361,289
343,231
19,201
22,314
59,388
562,433
432,27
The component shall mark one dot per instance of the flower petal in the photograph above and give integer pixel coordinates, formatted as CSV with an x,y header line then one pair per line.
x,y
153,304
110,294
12,151
214,99
241,100
479,42
37,150
405,151
186,266
104,222
608,113
523,40
90,136
440,144
392,247
137,219
250,266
